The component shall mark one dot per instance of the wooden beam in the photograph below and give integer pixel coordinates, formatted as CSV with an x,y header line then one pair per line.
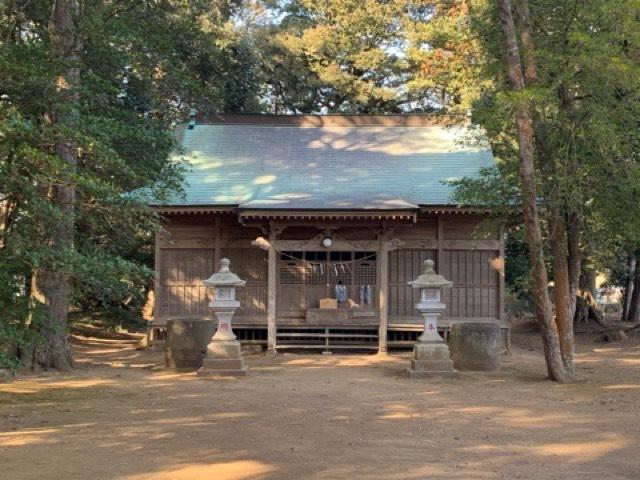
x,y
406,216
192,210
315,243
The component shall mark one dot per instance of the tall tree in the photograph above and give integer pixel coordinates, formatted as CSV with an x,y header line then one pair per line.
x,y
53,277
572,68
526,142
89,94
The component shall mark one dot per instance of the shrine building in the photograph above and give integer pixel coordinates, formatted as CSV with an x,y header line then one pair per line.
x,y
303,203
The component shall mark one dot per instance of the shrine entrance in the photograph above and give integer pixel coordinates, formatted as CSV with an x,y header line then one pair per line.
x,y
306,277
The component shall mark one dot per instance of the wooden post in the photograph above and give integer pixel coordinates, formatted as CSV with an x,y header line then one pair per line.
x,y
501,284
271,296
383,293
440,240
216,242
156,277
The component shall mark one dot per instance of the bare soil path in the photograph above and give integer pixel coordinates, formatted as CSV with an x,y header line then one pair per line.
x,y
122,416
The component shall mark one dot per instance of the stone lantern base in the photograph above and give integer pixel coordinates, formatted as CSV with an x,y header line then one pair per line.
x,y
224,358
431,360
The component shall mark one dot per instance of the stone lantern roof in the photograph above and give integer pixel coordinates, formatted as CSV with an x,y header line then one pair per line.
x,y
224,277
429,278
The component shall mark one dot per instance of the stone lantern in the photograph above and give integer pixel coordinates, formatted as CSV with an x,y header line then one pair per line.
x,y
224,356
430,353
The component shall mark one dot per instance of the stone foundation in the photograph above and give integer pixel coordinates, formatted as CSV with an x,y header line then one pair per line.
x,y
431,360
224,358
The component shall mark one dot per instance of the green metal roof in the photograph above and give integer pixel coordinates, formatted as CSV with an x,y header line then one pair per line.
x,y
328,166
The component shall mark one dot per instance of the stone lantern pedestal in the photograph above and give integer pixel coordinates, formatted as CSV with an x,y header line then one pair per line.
x,y
224,357
430,353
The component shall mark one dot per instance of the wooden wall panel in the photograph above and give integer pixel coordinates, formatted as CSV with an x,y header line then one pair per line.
x,y
465,227
250,264
475,283
426,228
182,293
475,290
405,265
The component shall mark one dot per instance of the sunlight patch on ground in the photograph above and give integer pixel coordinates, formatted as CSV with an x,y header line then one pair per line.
x,y
588,451
35,386
477,410
174,376
622,386
239,470
526,418
572,452
344,360
23,438
201,420
612,350
628,361
398,411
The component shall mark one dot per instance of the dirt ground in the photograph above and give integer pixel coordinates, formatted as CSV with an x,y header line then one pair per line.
x,y
121,415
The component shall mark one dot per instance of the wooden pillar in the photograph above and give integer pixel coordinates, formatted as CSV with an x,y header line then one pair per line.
x,y
383,294
156,278
217,255
440,239
271,295
501,279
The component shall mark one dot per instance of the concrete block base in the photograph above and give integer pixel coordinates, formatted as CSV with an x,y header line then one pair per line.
x,y
224,358
431,360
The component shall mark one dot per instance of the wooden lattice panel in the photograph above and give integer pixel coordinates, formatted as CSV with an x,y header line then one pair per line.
x,y
340,272
292,272
475,283
306,277
181,273
365,272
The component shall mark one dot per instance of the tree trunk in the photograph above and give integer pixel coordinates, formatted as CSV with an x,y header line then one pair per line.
x,y
628,291
53,279
7,208
562,289
634,304
539,279
575,258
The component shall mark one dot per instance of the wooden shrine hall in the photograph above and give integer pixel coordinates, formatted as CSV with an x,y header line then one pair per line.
x,y
302,204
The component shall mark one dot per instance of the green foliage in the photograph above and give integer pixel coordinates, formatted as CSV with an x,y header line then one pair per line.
x,y
143,66
586,106
366,56
518,272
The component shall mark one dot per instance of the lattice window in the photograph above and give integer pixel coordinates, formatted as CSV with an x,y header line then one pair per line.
x,y
365,272
307,276
292,272
340,272
316,273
